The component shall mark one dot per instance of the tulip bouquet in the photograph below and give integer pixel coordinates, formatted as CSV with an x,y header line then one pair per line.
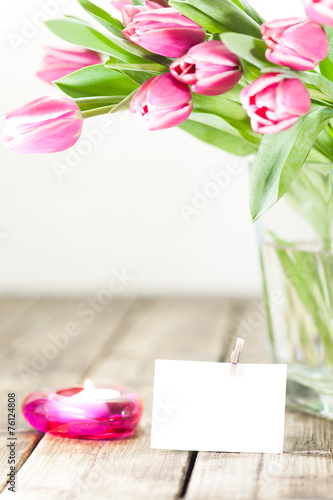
x,y
217,70
214,68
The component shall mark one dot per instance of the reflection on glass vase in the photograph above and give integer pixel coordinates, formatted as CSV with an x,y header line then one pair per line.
x,y
297,265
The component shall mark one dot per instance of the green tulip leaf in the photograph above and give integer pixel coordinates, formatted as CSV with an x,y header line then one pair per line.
x,y
326,68
301,268
139,73
95,81
228,14
323,144
78,32
281,156
319,81
244,5
115,27
199,17
153,69
248,48
222,124
221,139
329,34
88,103
110,23
232,112
309,194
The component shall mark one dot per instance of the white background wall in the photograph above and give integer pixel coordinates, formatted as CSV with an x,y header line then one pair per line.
x,y
120,205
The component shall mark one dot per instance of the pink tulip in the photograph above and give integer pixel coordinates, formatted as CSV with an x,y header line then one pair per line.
x,y
274,103
297,43
59,62
164,31
320,11
46,125
209,67
119,4
163,102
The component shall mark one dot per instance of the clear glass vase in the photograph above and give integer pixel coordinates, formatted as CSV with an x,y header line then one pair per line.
x,y
297,265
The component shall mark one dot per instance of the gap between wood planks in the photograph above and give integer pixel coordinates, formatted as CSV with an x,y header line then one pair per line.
x,y
177,316
194,454
27,320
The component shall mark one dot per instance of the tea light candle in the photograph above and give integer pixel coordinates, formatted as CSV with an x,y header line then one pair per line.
x,y
102,412
99,394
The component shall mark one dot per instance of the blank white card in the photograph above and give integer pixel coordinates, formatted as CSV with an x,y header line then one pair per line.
x,y
207,406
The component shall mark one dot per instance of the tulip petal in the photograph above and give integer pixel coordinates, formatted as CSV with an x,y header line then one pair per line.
x,y
169,42
274,128
163,102
293,97
43,109
52,74
168,17
129,11
214,52
167,92
260,116
120,4
274,103
49,138
164,31
297,43
170,119
184,71
280,24
59,62
319,12
217,84
290,60
139,100
46,125
258,85
266,98
78,56
307,39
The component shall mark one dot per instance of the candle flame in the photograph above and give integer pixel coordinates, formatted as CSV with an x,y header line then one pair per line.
x,y
89,387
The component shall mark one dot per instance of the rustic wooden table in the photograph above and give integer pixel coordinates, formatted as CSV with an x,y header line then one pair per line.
x,y
118,344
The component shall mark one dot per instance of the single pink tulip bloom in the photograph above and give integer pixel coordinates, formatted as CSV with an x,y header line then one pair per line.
x,y
163,102
274,103
59,62
210,67
45,125
297,43
319,11
164,31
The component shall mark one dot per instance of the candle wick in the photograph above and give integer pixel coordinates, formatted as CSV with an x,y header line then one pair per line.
x,y
89,388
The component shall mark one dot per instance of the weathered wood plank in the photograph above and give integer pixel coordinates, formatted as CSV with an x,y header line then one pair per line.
x,y
25,443
30,335
122,348
10,311
41,354
305,470
177,329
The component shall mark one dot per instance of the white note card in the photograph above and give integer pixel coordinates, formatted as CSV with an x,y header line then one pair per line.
x,y
207,406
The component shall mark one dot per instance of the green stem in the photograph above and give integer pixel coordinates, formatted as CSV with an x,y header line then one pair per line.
x,y
98,111
123,104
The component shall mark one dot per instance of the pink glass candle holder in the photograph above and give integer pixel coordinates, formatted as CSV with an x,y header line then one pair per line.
x,y
103,412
